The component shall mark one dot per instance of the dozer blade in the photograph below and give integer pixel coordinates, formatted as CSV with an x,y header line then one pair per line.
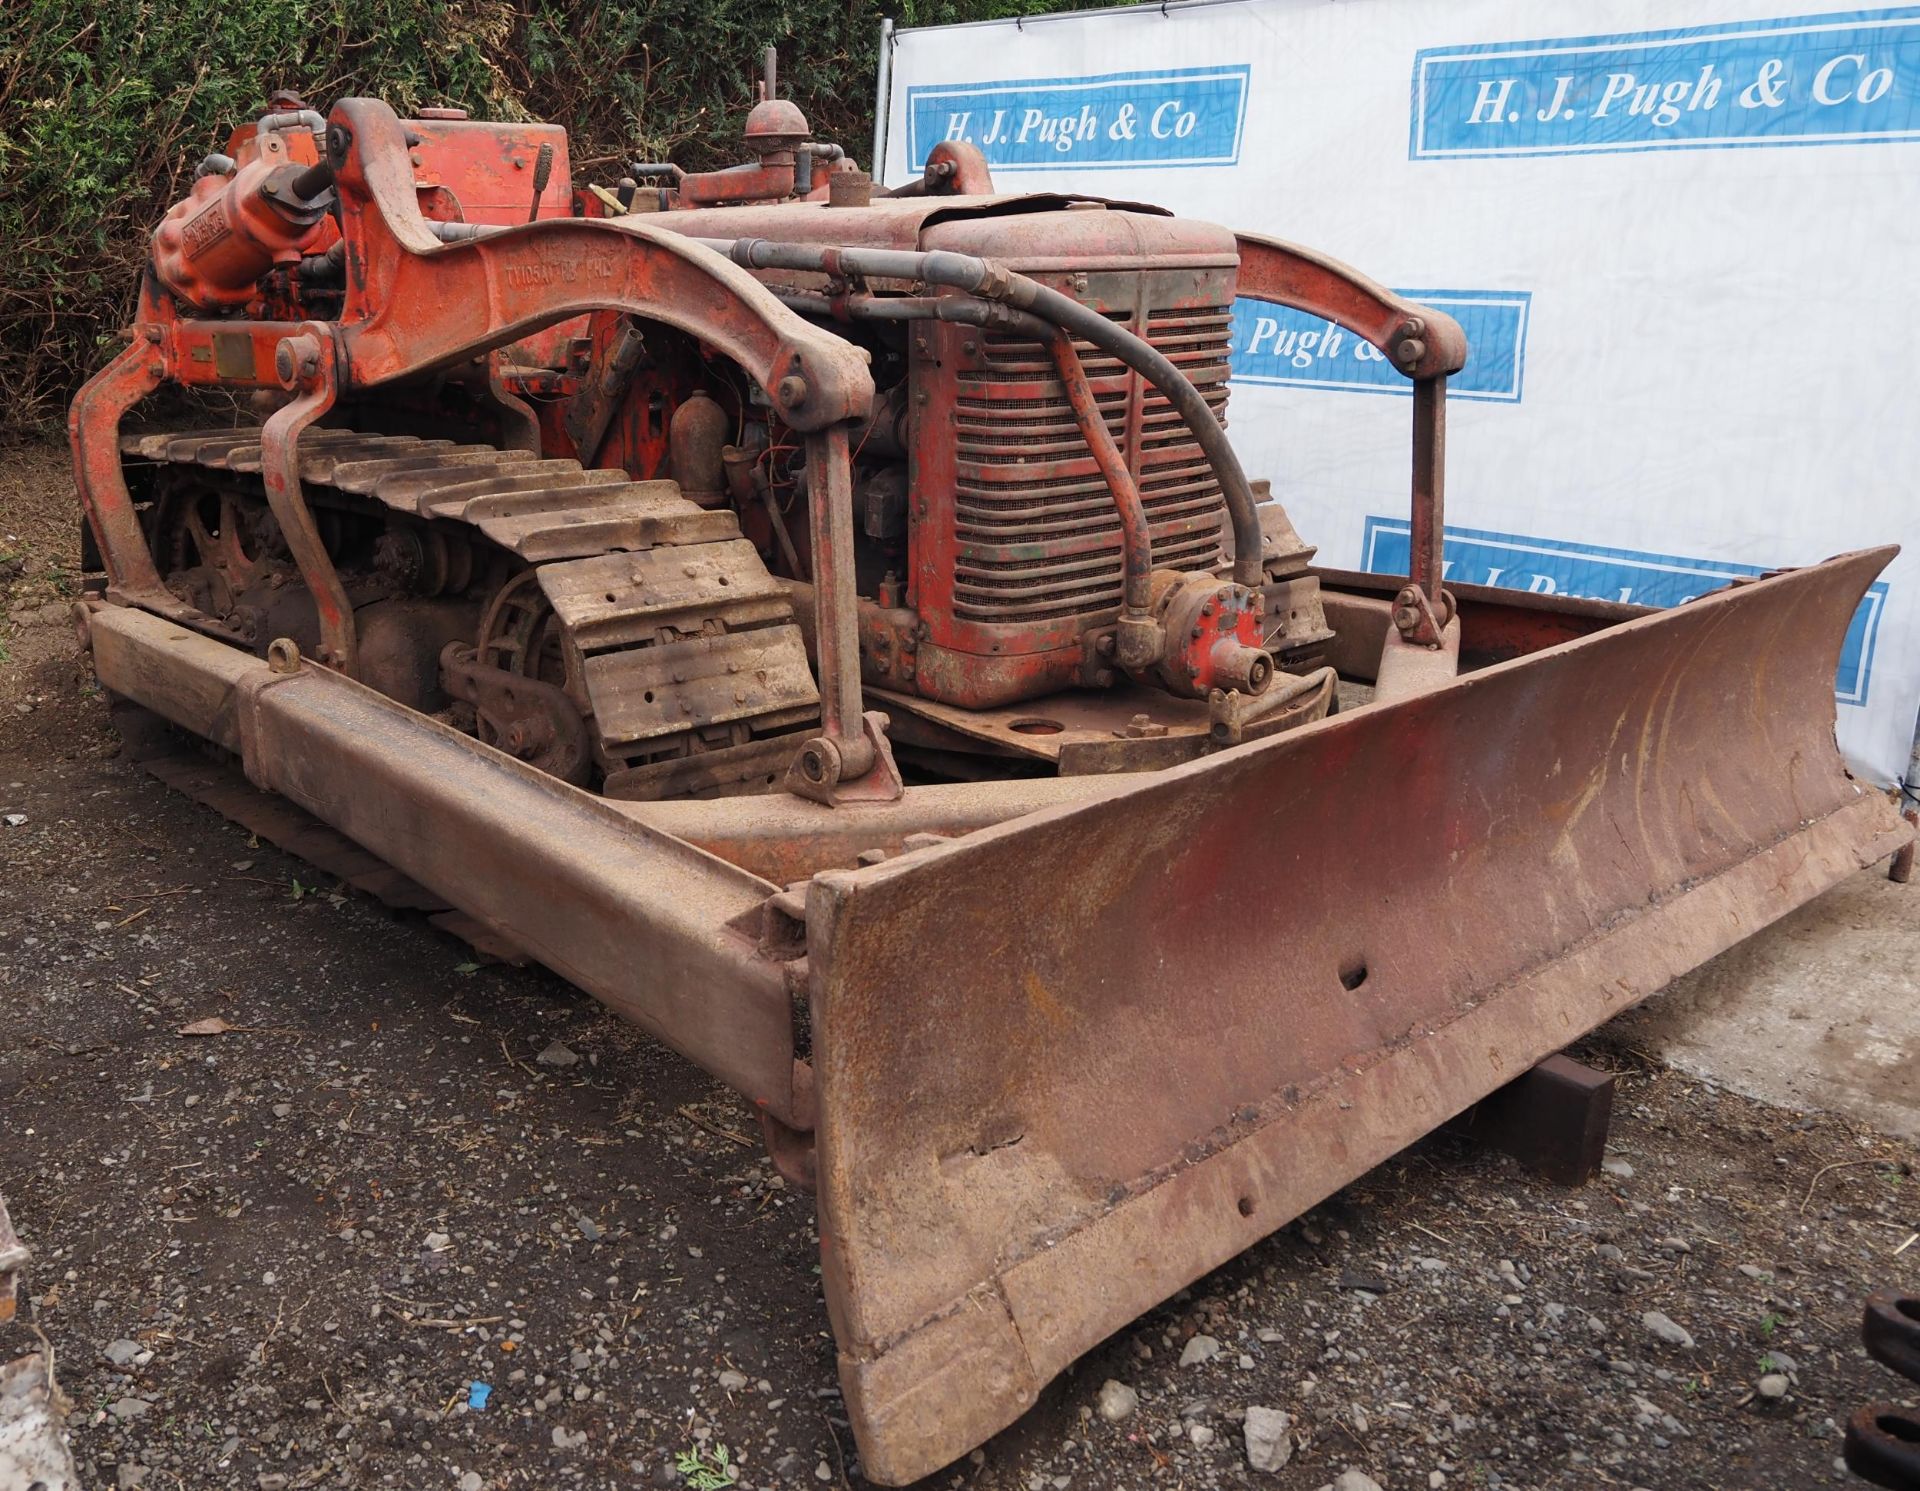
x,y
1068,1064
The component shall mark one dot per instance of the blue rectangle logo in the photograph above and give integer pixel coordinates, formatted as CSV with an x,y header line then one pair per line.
x,y
1274,345
1846,78
1557,567
1189,116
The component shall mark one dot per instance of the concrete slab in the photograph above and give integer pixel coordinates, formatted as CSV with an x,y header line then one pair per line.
x,y
33,1436
1820,1010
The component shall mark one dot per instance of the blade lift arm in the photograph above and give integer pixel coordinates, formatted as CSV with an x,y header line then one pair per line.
x,y
1425,345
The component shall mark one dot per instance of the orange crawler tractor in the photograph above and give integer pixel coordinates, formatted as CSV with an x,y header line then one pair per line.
x,y
830,626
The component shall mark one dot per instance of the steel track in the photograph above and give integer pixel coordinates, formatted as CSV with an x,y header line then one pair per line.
x,y
681,651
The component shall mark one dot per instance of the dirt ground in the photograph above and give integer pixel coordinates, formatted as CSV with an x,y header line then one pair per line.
x,y
284,1255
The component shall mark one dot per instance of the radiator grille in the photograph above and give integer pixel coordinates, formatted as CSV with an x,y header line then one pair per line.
x,y
1038,537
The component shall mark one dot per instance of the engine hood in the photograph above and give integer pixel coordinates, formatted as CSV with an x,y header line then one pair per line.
x,y
1026,229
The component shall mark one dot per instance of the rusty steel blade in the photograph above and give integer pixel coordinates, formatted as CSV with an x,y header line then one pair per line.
x,y
1070,1063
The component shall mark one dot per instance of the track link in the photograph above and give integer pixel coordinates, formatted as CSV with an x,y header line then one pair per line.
x,y
682,651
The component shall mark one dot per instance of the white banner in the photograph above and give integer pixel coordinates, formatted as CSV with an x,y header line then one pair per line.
x,y
1684,253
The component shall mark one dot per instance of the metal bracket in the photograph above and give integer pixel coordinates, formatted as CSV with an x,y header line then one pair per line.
x,y
519,425
308,366
1235,718
592,410
820,769
93,431
1426,532
849,760
1415,618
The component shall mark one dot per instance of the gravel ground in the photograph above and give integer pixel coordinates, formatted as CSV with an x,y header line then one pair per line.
x,y
283,1255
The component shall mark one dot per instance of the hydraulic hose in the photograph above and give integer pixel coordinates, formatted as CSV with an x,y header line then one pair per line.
x,y
962,310
990,281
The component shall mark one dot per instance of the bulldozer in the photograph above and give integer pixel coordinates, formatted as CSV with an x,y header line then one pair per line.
x,y
830,626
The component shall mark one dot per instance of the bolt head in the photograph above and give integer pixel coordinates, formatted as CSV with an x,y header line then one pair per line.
x,y
295,360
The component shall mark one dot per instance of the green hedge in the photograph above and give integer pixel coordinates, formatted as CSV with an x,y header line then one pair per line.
x,y
105,105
